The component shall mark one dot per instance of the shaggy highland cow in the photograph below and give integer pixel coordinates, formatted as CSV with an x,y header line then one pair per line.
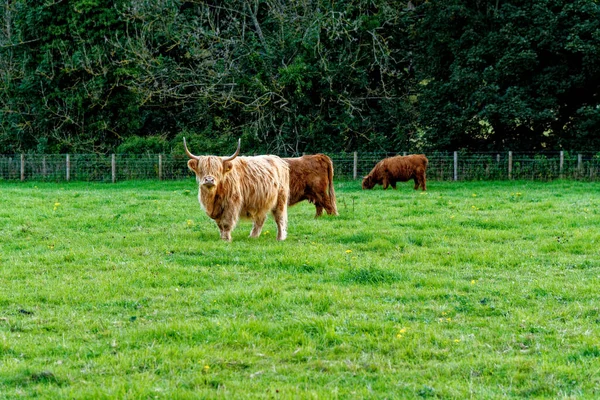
x,y
397,169
311,178
247,187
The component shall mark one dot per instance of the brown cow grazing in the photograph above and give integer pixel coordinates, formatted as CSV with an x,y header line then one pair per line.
x,y
247,187
311,178
397,169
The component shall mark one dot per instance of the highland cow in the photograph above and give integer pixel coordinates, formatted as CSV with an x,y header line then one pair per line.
x,y
246,187
397,169
311,178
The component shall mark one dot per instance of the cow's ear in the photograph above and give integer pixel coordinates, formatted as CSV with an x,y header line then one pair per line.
x,y
193,165
227,166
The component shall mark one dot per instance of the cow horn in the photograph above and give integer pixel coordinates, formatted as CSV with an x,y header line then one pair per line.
x,y
190,155
236,152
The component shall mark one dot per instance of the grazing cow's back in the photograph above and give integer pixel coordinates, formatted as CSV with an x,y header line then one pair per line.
x,y
311,178
398,169
246,187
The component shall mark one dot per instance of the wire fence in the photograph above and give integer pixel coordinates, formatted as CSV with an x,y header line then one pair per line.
x,y
443,166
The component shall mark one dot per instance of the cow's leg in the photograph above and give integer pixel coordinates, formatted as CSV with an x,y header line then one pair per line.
x,y
225,229
386,183
417,182
227,223
280,215
319,208
423,180
393,183
329,205
329,208
258,222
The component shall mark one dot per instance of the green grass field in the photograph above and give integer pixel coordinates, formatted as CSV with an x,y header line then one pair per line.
x,y
470,290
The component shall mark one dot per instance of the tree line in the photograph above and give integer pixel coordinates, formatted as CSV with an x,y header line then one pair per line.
x,y
293,76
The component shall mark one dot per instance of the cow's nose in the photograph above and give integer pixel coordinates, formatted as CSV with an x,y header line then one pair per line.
x,y
209,181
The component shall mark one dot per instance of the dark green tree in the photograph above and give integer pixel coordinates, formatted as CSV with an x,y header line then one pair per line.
x,y
67,96
509,74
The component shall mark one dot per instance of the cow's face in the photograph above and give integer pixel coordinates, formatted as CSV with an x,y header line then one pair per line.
x,y
209,170
368,182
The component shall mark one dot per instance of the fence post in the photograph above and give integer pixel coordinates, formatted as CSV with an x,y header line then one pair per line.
x,y
510,165
68,163
113,167
580,165
22,167
404,153
355,169
561,163
44,167
456,165
160,167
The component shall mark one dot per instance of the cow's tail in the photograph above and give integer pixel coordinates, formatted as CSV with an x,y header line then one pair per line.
x,y
331,189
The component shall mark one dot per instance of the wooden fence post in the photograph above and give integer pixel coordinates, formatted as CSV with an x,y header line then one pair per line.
x,y
160,167
355,169
22,167
68,163
113,167
580,165
510,165
44,169
561,164
404,153
456,165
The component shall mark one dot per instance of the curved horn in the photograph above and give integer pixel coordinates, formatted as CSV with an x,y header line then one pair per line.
x,y
236,152
190,155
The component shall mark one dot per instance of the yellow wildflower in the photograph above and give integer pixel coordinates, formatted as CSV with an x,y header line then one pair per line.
x,y
348,251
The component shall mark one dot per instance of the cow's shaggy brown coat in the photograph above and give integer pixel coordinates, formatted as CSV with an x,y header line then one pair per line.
x,y
398,169
246,187
311,178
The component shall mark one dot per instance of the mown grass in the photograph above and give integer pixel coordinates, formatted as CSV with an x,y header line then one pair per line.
x,y
474,289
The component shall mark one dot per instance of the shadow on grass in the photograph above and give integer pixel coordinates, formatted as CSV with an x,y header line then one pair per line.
x,y
27,378
369,276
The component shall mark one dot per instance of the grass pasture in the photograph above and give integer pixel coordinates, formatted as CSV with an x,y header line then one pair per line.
x,y
471,290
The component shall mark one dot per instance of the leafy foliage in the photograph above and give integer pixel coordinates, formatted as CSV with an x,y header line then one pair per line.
x,y
300,76
517,74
